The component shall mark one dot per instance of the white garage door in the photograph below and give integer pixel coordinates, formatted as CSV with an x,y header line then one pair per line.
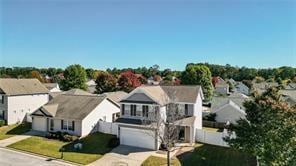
x,y
39,124
137,138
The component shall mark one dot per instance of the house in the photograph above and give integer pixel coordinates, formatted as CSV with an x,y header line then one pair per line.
x,y
154,80
149,104
21,97
52,87
263,86
76,112
221,86
242,88
229,108
289,95
91,86
290,86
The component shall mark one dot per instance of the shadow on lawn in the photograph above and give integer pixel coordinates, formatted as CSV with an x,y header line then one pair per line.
x,y
96,143
207,155
20,129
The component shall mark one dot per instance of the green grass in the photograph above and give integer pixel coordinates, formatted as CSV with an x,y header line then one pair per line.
x,y
207,155
94,147
12,130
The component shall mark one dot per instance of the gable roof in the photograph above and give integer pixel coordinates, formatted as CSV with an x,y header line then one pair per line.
x,y
237,98
75,107
78,92
166,94
115,96
12,86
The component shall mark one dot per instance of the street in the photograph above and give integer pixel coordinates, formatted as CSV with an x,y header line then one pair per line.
x,y
14,158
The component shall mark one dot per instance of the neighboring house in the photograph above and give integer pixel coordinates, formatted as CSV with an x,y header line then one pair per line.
x,y
242,88
232,81
19,98
291,86
154,80
52,87
91,86
221,86
263,86
148,103
228,108
229,112
76,112
289,96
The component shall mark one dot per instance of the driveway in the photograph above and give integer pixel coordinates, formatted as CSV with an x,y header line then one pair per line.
x,y
14,158
124,156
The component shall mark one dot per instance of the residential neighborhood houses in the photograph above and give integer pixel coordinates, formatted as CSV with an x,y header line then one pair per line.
x,y
127,118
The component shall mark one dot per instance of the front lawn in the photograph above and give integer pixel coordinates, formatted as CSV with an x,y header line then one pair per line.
x,y
94,147
207,155
17,129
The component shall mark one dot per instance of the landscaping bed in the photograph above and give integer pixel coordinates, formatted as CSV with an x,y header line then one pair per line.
x,y
94,147
206,155
12,130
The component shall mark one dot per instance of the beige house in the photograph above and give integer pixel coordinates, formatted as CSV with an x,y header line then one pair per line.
x,y
19,98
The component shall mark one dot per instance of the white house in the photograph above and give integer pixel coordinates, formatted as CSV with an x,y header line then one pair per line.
x,y
147,103
91,86
242,88
52,87
19,98
76,112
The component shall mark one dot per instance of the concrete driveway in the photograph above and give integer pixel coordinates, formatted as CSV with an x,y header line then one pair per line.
x,y
124,156
13,158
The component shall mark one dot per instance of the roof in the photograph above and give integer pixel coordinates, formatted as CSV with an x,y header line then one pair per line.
x,y
50,86
165,94
12,86
186,121
116,96
230,105
219,101
75,107
289,95
78,92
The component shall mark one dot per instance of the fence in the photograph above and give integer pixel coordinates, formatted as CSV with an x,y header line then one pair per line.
x,y
108,128
211,137
212,124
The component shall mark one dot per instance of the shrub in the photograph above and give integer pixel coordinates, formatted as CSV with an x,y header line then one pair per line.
x,y
113,142
69,138
2,123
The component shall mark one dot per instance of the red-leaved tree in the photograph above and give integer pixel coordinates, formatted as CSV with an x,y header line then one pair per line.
x,y
128,81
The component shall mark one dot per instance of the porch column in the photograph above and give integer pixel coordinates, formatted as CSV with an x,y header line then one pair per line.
x,y
190,131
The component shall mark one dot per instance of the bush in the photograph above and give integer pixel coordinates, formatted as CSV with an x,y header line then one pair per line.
x,y
113,142
69,138
2,123
61,136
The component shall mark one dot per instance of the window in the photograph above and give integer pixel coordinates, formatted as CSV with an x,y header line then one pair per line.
x,y
2,114
145,110
67,125
133,110
186,109
122,109
51,124
2,99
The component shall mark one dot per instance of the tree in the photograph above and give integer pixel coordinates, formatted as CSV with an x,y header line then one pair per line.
x,y
198,75
166,127
36,74
106,83
128,81
90,73
269,130
74,77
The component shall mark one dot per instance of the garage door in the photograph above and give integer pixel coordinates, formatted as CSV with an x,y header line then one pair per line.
x,y
39,124
137,138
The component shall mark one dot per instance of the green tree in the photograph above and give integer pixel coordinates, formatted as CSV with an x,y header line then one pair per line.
x,y
198,75
75,77
269,130
105,83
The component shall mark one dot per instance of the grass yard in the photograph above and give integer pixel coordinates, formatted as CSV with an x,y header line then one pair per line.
x,y
207,155
17,129
94,147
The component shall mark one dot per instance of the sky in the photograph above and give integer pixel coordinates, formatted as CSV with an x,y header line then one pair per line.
x,y
131,33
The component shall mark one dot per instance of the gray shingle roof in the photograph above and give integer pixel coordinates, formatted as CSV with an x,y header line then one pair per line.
x,y
11,86
75,107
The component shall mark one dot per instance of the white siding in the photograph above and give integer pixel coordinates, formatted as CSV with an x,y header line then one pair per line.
x,y
104,110
20,106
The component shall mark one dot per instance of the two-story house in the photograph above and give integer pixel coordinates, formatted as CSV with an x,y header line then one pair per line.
x,y
149,103
19,98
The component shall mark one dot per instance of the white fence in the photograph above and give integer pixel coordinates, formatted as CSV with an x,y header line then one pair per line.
x,y
108,128
211,137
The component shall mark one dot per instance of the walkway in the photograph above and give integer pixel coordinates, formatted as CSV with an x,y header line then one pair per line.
x,y
17,138
124,156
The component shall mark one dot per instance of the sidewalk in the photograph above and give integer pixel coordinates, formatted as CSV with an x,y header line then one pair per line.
x,y
17,138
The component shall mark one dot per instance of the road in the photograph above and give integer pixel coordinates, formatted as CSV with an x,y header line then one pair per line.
x,y
14,158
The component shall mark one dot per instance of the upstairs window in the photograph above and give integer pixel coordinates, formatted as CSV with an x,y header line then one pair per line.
x,y
122,109
133,110
145,110
186,109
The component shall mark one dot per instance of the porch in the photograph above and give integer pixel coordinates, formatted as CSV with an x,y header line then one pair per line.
x,y
186,130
